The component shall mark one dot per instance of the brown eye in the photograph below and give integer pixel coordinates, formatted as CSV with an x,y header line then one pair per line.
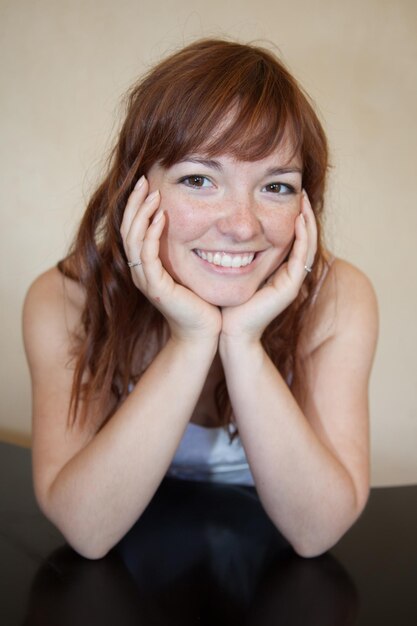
x,y
279,188
197,181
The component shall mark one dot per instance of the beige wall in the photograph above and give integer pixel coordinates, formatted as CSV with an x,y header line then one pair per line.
x,y
65,65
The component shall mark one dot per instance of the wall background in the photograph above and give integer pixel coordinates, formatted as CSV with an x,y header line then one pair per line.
x,y
64,67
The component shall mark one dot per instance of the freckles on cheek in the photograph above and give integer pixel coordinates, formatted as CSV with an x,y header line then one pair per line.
x,y
282,231
187,222
179,218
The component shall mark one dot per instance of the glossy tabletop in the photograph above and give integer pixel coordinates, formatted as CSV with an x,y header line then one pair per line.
x,y
205,555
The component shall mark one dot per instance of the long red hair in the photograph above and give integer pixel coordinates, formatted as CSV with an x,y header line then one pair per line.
x,y
172,112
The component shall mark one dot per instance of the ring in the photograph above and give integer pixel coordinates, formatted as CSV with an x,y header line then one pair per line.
x,y
134,263
308,269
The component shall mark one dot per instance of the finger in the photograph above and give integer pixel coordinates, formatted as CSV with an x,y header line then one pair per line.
x,y
135,199
298,256
139,226
151,262
311,226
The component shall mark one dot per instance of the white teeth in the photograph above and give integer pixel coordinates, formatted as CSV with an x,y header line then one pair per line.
x,y
226,260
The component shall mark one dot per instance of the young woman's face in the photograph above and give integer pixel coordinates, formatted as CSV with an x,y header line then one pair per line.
x,y
230,223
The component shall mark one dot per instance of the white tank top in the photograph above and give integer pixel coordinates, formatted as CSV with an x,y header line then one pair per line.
x,y
208,454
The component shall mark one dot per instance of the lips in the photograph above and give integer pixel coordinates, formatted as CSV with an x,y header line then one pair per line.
x,y
226,259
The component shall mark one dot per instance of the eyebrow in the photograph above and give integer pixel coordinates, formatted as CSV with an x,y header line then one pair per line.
x,y
276,171
200,161
212,163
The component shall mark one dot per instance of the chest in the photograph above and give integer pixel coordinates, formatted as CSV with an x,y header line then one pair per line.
x,y
205,412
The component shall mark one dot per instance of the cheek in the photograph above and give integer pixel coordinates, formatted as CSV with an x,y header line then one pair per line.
x,y
184,222
281,229
184,225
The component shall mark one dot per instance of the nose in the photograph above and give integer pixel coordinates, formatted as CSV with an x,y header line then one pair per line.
x,y
240,219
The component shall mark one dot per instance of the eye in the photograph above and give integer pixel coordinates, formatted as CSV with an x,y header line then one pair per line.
x,y
196,181
279,188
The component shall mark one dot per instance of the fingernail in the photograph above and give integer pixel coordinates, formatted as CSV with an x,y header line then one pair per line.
x,y
157,216
140,182
152,196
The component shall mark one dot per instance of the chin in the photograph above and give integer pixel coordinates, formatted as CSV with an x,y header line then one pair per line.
x,y
225,299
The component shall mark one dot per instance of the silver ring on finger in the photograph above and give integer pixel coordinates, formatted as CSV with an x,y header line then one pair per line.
x,y
134,263
308,268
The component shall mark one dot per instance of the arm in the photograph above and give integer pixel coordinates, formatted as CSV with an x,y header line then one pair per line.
x,y
308,447
94,483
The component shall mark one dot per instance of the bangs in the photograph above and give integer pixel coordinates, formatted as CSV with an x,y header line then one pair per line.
x,y
241,107
243,133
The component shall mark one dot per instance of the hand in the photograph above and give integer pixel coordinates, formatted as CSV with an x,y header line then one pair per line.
x,y
188,316
251,318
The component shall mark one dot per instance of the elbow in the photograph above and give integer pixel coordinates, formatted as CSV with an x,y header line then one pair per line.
x,y
87,550
86,538
311,549
319,540
89,539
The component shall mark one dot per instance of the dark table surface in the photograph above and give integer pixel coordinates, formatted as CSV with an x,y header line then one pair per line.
x,y
205,555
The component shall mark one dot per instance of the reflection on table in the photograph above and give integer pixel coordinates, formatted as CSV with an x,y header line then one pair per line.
x,y
201,554
205,554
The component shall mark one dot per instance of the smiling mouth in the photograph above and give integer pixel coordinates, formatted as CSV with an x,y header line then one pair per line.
x,y
226,259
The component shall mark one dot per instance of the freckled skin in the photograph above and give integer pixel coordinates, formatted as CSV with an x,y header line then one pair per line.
x,y
234,214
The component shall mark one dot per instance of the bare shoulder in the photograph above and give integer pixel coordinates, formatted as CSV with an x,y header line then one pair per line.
x,y
53,288
353,294
346,305
51,313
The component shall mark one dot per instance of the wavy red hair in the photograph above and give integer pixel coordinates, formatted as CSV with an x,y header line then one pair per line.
x,y
175,110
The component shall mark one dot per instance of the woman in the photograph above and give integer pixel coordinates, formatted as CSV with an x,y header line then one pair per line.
x,y
199,309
